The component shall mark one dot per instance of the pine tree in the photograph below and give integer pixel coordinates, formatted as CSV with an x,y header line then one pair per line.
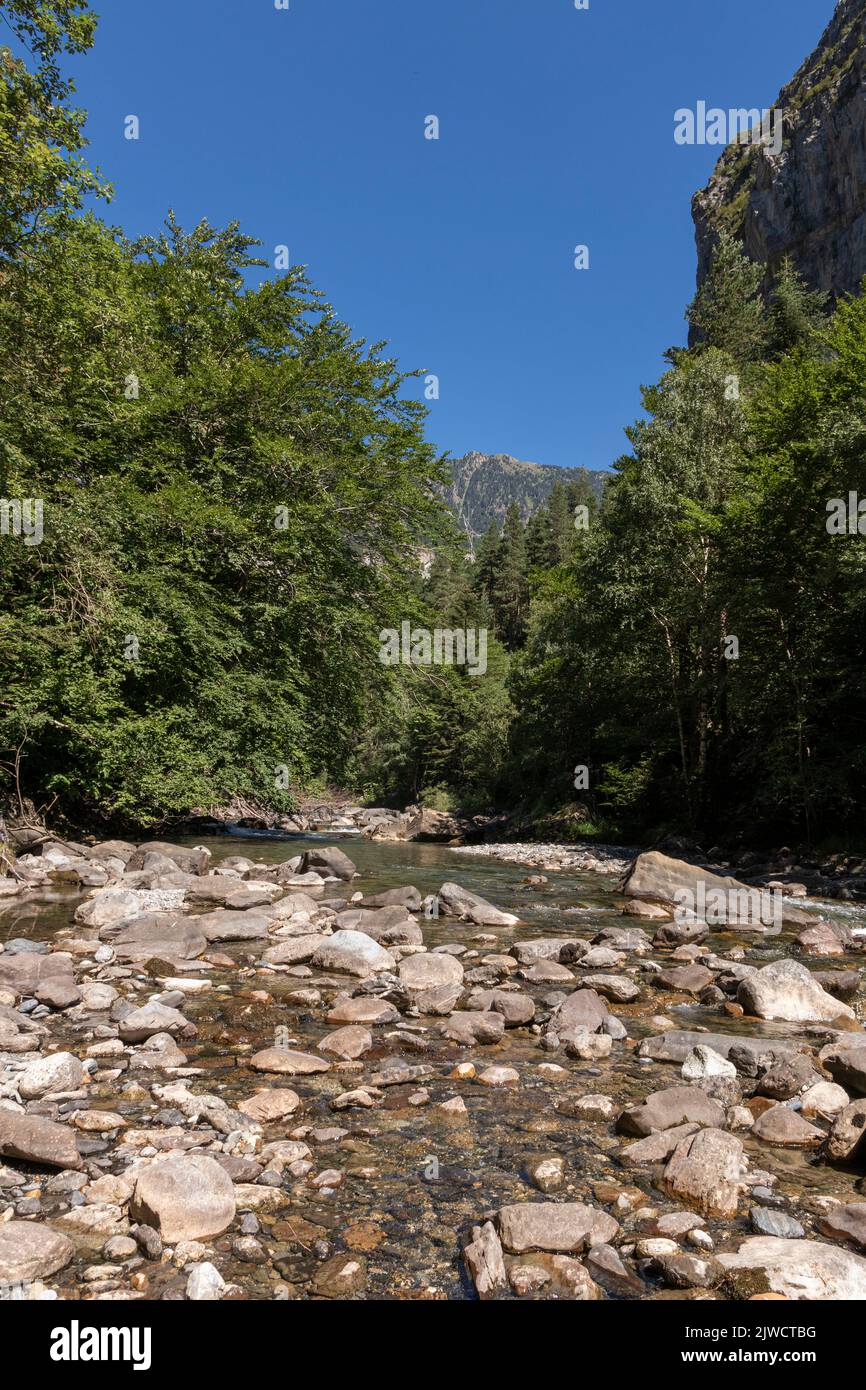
x,y
510,590
728,311
796,312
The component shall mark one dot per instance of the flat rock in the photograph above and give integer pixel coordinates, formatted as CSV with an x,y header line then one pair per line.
x,y
274,1104
287,1062
348,1043
455,901
657,1148
676,1044
232,926
293,950
798,1269
559,1227
363,1009
143,1023
31,1251
38,1140
667,1109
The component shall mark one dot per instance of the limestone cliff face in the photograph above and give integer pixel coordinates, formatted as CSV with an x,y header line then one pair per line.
x,y
808,201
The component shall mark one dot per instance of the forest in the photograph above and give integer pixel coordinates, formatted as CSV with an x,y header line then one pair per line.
x,y
237,495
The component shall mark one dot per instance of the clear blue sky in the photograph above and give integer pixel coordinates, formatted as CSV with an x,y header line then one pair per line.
x,y
556,129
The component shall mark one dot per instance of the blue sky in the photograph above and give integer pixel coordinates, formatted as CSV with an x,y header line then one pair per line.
x,y
556,128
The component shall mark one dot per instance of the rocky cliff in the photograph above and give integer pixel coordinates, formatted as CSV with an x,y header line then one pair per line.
x,y
808,201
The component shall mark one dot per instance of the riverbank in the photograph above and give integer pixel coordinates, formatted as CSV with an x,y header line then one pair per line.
x,y
373,1069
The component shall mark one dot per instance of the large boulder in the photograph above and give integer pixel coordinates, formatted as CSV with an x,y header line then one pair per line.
x,y
455,901
223,925
37,1140
156,934
796,1269
59,1071
184,1197
696,892
190,861
407,897
786,990
110,906
353,953
329,861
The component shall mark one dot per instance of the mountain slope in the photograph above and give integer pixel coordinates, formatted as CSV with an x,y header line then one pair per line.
x,y
484,485
809,201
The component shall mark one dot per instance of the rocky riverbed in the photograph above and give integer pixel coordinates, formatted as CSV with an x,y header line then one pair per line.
x,y
353,1069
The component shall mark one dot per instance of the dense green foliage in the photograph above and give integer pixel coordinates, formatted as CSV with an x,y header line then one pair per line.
x,y
239,504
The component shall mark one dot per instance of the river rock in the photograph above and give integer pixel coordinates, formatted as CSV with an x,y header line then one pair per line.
x,y
784,1127
846,1063
846,1137
24,971
559,1227
407,897
159,935
703,1064
286,1062
840,1223
825,1099
143,1023
106,908
466,1028
666,1109
293,950
224,925
704,1172
353,953
29,1252
455,901
363,1009
785,990
674,1045
188,1197
329,859
483,1257
658,1147
38,1140
617,988
268,1106
797,1269
684,979
190,861
518,1010
59,1071
766,1222
347,1043
787,1078
432,982
584,1011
